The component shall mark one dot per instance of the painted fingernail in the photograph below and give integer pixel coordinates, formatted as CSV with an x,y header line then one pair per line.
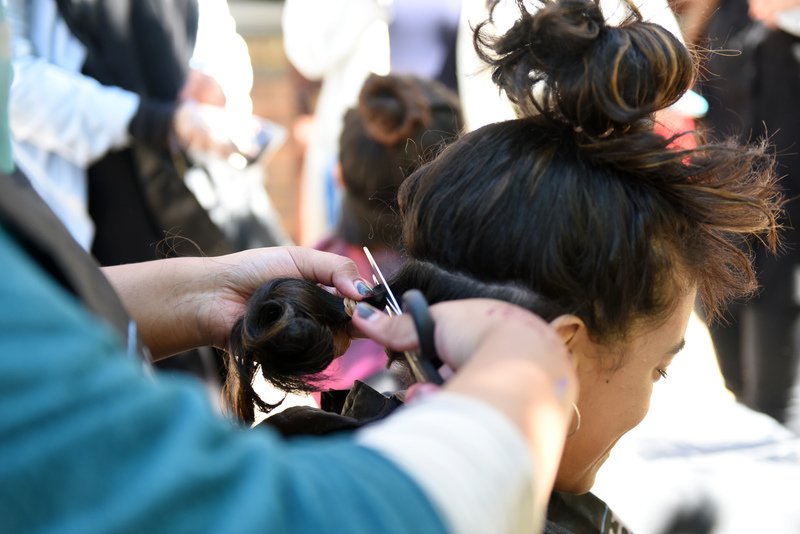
x,y
363,289
365,311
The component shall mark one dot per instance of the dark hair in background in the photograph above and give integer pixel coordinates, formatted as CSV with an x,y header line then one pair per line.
x,y
581,207
400,121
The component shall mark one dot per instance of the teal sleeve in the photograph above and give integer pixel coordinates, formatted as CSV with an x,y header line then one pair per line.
x,y
89,443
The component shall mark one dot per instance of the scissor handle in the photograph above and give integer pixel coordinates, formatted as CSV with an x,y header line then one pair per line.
x,y
424,363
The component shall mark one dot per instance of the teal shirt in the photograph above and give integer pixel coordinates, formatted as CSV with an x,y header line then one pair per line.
x,y
89,443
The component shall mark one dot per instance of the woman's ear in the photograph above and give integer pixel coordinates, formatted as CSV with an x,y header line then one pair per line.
x,y
573,332
566,326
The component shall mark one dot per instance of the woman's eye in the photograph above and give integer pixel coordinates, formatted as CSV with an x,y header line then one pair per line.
x,y
662,372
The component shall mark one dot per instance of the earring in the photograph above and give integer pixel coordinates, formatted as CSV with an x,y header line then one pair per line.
x,y
578,413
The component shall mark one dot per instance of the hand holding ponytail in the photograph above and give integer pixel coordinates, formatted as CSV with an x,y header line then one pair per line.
x,y
291,331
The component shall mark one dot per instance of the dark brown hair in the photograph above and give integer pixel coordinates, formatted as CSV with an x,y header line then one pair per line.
x,y
580,207
564,62
599,214
287,333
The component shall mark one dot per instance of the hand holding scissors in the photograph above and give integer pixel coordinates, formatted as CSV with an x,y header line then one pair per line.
x,y
424,362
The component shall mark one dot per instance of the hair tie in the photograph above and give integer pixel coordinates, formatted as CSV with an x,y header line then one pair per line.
x,y
349,306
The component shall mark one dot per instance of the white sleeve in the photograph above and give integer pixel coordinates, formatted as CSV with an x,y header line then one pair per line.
x,y
320,35
470,461
56,109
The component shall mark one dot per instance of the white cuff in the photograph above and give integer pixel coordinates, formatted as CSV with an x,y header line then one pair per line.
x,y
467,457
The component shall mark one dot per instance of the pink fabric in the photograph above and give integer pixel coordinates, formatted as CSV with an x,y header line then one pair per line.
x,y
670,123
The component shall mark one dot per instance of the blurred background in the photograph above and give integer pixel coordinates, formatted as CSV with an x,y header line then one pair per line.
x,y
279,94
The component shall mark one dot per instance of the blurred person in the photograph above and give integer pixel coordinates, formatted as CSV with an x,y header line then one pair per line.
x,y
422,39
111,101
340,43
107,98
752,83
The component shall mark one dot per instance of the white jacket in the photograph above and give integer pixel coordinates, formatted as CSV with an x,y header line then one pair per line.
x,y
62,121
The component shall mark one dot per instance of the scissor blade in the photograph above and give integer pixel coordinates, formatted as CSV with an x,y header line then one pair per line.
x,y
391,301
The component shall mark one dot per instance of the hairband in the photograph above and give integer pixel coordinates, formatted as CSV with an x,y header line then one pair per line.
x,y
350,306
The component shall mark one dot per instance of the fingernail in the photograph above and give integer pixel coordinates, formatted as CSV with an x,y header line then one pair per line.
x,y
363,289
366,311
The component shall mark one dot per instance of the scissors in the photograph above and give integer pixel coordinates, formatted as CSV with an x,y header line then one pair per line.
x,y
424,362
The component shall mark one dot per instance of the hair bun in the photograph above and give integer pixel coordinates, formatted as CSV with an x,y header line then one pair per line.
x,y
393,109
562,61
563,32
